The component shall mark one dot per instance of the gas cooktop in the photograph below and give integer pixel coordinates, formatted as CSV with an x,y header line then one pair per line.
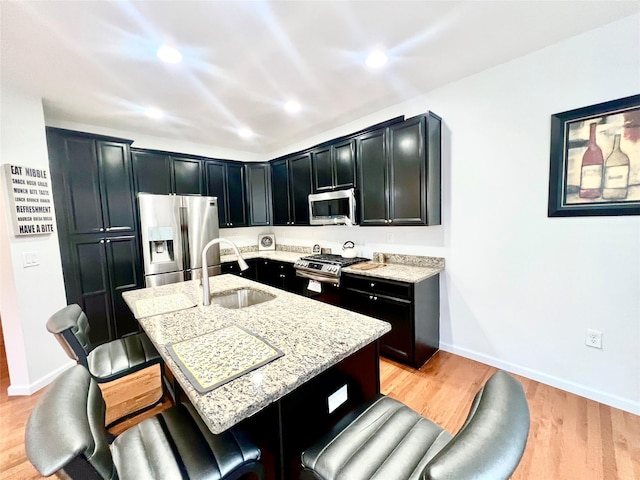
x,y
333,259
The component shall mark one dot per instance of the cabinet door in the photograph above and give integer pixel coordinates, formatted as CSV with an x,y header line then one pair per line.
x,y
118,199
215,172
322,169
90,270
280,192
187,176
399,313
124,275
236,195
152,172
344,160
259,194
268,273
372,178
301,187
407,187
79,165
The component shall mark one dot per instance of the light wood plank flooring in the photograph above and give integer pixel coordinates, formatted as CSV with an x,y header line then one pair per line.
x,y
571,437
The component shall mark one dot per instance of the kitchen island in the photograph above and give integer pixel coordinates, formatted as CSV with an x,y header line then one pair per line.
x,y
326,350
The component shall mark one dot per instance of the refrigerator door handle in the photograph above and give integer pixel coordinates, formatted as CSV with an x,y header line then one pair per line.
x,y
184,235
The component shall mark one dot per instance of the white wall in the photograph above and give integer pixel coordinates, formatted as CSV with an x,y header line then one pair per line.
x,y
520,289
28,296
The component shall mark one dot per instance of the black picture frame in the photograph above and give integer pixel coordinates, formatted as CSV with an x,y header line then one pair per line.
x,y
580,152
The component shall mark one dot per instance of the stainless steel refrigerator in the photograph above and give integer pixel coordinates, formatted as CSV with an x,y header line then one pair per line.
x,y
174,231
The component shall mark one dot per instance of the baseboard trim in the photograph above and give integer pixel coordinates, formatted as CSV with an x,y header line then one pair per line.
x,y
615,401
30,389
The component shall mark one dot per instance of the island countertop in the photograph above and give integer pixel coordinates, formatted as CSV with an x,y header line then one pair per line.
x,y
312,335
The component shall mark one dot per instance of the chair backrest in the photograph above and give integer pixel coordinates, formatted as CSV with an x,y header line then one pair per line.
x,y
66,430
491,442
70,326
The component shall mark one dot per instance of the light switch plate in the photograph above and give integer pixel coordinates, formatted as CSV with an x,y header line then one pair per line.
x,y
29,259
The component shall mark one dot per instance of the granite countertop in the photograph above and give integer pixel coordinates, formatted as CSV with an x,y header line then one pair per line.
x,y
312,335
403,268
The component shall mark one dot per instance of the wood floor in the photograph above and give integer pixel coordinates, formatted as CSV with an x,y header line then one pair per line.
x,y
571,437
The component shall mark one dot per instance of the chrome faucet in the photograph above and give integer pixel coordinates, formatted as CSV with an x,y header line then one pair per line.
x,y
206,300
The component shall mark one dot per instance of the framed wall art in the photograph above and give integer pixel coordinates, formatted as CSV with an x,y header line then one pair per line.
x,y
595,160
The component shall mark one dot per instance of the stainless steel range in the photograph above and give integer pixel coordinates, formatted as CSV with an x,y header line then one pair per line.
x,y
325,268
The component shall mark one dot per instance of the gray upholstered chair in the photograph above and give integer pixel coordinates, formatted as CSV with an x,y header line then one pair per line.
x,y
66,432
105,362
389,441
111,362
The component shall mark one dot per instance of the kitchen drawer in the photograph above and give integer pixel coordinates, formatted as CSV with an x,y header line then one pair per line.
x,y
377,286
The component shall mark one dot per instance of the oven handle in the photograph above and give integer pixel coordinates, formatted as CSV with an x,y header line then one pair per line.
x,y
317,278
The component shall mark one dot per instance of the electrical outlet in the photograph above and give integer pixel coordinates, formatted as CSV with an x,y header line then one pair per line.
x,y
390,238
594,338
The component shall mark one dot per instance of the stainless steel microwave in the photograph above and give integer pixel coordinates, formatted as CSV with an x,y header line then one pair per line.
x,y
333,208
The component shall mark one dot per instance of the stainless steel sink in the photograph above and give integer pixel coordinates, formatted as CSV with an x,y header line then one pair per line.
x,y
241,298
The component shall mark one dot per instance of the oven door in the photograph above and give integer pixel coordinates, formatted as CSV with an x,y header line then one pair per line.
x,y
322,288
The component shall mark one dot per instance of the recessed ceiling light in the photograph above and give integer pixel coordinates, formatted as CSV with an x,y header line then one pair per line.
x,y
169,54
154,113
245,133
376,59
292,106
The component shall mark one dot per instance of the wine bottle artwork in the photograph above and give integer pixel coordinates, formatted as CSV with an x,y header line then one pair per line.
x,y
592,167
616,173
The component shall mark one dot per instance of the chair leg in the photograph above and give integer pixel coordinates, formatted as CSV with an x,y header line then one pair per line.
x,y
147,385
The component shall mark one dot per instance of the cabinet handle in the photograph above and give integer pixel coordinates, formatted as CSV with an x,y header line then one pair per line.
x,y
108,229
375,298
108,241
370,297
101,241
101,229
282,276
231,224
373,284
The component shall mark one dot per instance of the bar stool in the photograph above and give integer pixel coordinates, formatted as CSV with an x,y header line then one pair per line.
x,y
66,433
111,362
389,441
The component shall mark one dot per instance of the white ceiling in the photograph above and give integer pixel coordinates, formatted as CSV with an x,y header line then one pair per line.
x,y
94,62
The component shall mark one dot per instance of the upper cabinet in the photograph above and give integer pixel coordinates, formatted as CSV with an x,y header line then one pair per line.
x,y
95,174
334,166
291,181
162,173
399,173
259,193
225,180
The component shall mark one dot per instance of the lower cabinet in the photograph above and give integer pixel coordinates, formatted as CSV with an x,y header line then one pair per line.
x,y
102,269
233,268
277,274
412,309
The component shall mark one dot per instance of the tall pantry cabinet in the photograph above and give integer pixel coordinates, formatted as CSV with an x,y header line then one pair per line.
x,y
93,193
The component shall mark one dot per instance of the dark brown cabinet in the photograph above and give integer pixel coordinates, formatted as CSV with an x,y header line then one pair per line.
x,y
399,173
232,267
291,186
93,191
259,193
225,180
162,173
96,180
412,309
334,166
187,176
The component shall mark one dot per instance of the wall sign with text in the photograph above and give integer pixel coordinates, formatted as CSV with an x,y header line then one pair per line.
x,y
30,199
